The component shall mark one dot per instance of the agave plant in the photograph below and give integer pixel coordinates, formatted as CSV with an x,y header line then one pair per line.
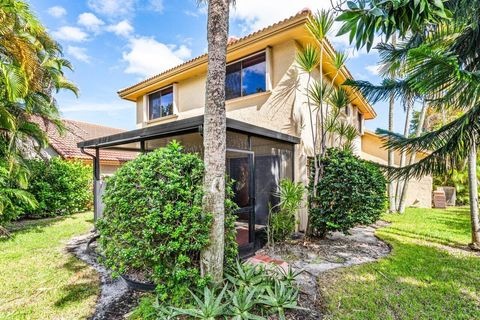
x,y
242,304
164,312
209,308
248,275
280,298
287,276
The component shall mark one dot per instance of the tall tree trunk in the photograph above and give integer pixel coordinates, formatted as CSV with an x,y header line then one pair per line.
x,y
391,156
403,156
214,138
391,153
473,188
418,132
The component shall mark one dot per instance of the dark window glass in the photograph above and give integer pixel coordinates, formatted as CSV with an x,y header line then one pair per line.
x,y
161,103
360,117
246,77
233,81
253,75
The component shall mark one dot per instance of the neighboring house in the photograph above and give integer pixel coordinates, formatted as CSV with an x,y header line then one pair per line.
x,y
419,192
268,136
65,145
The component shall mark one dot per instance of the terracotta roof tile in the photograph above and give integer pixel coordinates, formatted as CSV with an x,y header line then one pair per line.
x,y
76,131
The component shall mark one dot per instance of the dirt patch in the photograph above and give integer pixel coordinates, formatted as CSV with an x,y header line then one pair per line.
x,y
317,257
115,300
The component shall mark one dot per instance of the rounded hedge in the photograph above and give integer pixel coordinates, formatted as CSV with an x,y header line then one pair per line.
x,y
351,192
153,222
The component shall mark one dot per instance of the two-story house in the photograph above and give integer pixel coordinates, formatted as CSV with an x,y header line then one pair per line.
x,y
268,136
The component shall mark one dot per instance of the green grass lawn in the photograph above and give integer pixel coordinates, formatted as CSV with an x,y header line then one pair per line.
x,y
430,273
38,280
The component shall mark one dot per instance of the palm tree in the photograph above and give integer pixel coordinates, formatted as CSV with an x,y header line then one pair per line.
x,y
442,64
324,101
214,137
31,70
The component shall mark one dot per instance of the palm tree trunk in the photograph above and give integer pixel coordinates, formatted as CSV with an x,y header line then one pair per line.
x,y
403,157
391,153
214,138
391,156
418,132
473,188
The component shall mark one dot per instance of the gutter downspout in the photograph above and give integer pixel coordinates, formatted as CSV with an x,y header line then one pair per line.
x,y
96,178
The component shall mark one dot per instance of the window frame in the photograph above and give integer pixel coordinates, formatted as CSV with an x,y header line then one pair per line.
x,y
147,103
268,72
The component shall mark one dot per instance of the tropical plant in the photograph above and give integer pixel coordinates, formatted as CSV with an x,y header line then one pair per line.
x,y
280,298
247,275
209,308
153,223
289,275
442,63
248,293
243,303
351,192
31,70
325,101
282,220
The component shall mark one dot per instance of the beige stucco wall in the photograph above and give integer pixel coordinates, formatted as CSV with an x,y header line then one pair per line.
x,y
282,108
419,192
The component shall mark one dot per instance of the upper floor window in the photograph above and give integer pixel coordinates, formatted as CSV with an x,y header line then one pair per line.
x,y
160,103
247,76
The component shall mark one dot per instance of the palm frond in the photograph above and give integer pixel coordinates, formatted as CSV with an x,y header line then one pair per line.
x,y
308,58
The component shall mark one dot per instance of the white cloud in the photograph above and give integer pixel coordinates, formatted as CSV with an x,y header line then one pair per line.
x,y
254,14
123,28
373,69
78,53
147,57
156,5
57,11
191,13
112,8
90,21
73,34
183,52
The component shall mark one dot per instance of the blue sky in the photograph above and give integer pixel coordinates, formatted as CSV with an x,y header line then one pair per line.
x,y
116,43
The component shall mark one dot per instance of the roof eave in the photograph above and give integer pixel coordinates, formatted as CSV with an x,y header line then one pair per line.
x,y
295,21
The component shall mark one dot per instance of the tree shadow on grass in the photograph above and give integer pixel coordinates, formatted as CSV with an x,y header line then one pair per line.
x,y
426,237
414,282
28,225
83,285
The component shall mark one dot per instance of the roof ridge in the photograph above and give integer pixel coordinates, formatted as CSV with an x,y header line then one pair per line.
x,y
91,124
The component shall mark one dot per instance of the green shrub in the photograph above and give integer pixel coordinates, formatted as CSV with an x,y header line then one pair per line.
x,y
153,222
281,222
60,187
351,191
